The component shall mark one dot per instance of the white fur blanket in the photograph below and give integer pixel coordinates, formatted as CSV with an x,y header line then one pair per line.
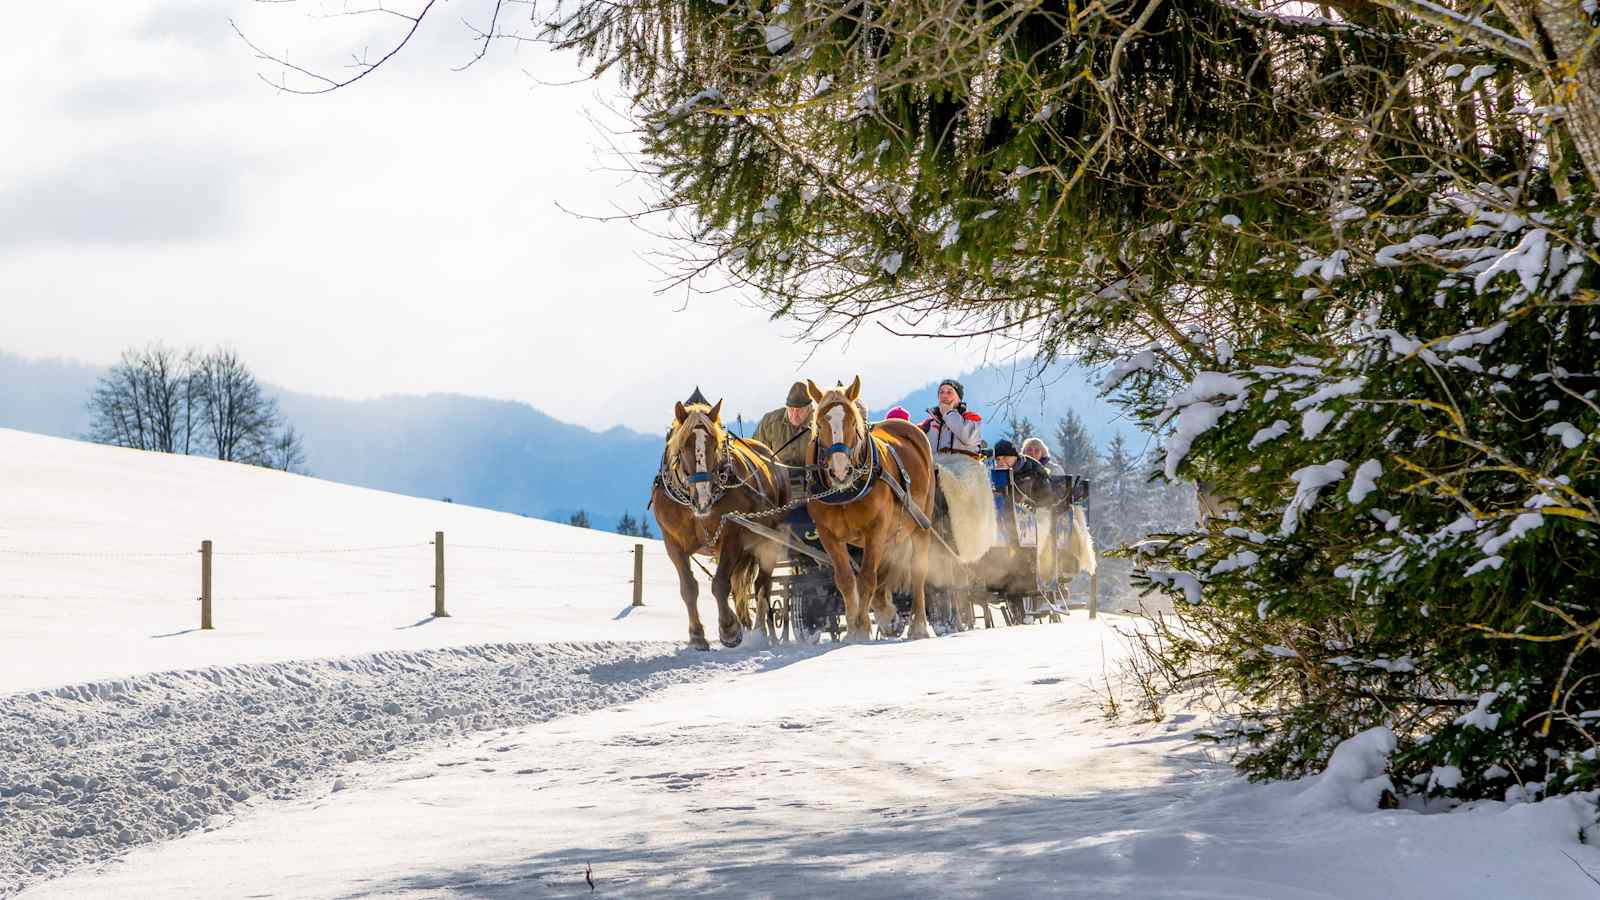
x,y
965,484
1075,556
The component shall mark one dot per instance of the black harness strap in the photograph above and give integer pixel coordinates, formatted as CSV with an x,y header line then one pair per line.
x,y
902,492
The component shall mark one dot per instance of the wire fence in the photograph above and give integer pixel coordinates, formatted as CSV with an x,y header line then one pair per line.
x,y
138,583
75,554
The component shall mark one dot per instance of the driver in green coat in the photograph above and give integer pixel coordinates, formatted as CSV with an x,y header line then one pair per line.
x,y
784,430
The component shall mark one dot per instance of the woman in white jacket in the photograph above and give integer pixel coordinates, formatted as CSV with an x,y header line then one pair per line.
x,y
954,432
950,426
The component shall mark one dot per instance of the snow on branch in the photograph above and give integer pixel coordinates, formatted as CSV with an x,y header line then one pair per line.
x,y
1470,28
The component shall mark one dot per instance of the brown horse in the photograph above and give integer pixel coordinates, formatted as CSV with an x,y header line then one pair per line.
x,y
705,474
856,464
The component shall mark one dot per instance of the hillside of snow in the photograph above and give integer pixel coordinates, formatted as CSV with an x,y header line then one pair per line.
x,y
99,550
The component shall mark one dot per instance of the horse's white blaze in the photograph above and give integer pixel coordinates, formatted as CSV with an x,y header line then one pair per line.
x,y
840,462
702,489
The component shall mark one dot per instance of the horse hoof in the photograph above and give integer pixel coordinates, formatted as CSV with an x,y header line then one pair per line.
x,y
731,642
918,632
699,643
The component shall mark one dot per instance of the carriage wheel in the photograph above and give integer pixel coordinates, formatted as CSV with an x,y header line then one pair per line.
x,y
778,614
1016,610
967,610
814,605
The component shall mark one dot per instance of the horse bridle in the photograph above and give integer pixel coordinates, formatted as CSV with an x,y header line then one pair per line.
x,y
678,485
858,465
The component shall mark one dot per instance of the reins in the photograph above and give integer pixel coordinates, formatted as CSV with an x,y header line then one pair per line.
x,y
865,472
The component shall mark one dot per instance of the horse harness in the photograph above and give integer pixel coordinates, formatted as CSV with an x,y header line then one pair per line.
x,y
865,478
869,474
726,476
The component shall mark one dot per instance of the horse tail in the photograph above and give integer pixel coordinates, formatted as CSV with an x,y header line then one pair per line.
x,y
742,586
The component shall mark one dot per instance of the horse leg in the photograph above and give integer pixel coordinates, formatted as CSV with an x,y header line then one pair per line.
x,y
721,584
741,608
919,583
689,589
844,578
763,591
867,584
884,612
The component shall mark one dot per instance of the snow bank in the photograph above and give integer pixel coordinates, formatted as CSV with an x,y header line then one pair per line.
x,y
1007,780
1354,778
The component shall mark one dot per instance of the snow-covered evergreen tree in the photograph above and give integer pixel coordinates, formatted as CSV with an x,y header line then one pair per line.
x,y
1076,453
1019,430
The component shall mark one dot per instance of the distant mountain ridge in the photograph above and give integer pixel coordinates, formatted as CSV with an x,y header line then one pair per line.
x,y
497,454
46,396
509,456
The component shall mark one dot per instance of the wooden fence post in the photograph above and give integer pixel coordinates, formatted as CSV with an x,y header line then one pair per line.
x,y
638,574
205,586
438,576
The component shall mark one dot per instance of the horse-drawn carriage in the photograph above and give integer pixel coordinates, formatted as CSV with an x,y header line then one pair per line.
x,y
872,529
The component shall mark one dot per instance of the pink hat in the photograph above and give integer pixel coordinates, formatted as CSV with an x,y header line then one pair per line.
x,y
898,412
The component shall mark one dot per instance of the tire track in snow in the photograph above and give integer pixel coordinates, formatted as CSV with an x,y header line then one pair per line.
x,y
89,771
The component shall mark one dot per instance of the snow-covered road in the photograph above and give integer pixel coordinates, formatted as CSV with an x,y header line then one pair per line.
x,y
89,771
975,765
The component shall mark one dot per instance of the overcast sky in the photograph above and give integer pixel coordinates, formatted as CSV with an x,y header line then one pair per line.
x,y
401,235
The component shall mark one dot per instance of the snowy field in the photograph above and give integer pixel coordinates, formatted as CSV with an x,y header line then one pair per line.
x,y
99,549
329,740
